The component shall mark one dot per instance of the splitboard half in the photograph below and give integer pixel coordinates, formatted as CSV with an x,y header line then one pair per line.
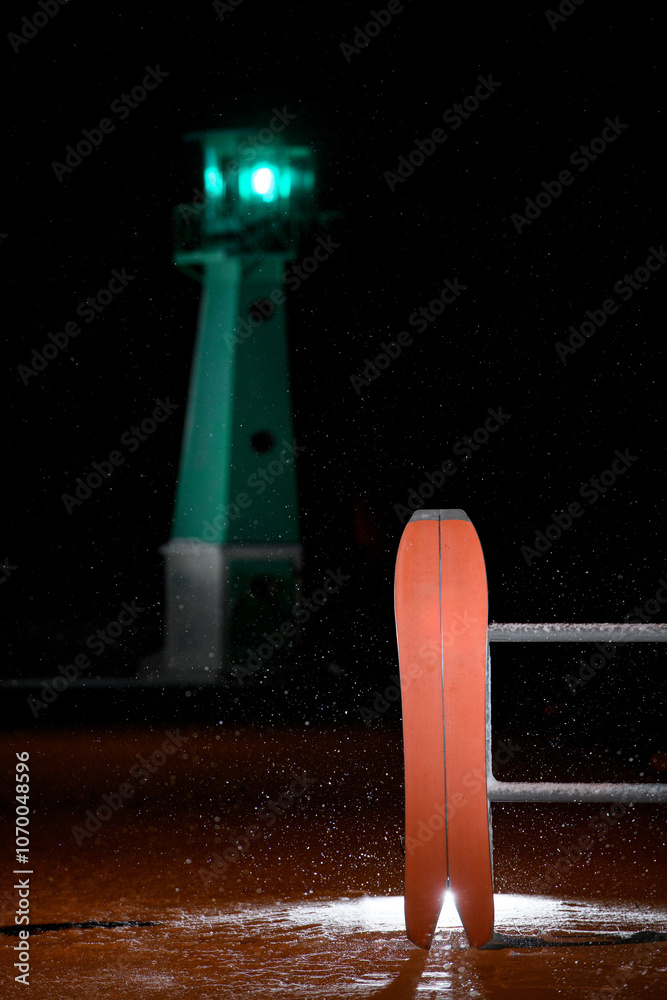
x,y
419,636
441,624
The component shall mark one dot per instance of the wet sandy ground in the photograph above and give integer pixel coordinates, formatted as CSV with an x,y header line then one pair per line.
x,y
308,901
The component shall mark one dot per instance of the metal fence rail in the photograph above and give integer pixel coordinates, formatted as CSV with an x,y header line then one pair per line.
x,y
553,791
576,632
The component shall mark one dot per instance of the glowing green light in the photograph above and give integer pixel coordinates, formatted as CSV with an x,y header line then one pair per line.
x,y
263,182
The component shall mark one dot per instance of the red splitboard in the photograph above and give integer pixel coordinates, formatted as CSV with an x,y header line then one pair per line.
x,y
441,623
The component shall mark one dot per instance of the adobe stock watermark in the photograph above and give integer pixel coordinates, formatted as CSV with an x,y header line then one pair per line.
x,y
651,607
625,288
223,10
87,310
465,447
130,439
599,825
419,320
6,570
97,642
258,481
251,148
363,35
30,26
430,653
617,981
122,107
565,9
580,158
476,777
590,491
302,612
267,815
293,277
606,651
454,116
111,802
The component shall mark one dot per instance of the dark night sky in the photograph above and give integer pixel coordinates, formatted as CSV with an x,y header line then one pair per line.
x,y
450,219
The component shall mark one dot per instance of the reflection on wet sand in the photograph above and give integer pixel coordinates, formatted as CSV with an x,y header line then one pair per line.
x,y
312,906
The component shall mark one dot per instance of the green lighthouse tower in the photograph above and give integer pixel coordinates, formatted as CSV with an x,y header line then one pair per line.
x,y
233,561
